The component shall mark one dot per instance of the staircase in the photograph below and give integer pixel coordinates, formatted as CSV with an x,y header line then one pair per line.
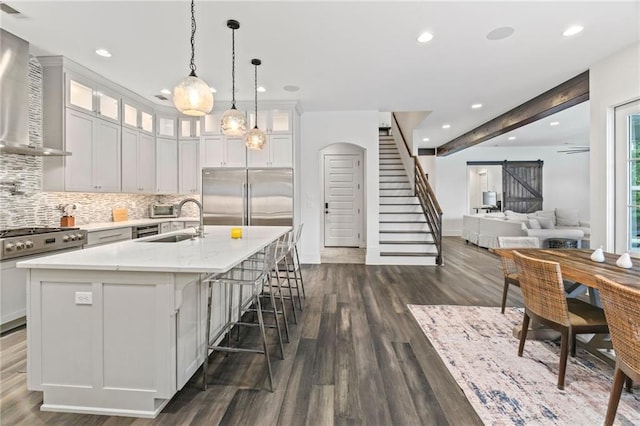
x,y
405,236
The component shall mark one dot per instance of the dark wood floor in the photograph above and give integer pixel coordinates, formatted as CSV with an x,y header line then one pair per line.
x,y
355,357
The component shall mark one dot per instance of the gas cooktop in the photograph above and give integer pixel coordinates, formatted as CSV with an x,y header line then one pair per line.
x,y
20,232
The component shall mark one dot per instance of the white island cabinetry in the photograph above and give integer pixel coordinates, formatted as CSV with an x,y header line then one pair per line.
x,y
119,329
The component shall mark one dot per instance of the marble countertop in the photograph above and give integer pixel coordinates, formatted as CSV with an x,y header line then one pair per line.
x,y
216,252
134,222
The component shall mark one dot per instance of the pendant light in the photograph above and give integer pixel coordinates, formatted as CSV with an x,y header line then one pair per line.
x,y
233,122
255,138
192,96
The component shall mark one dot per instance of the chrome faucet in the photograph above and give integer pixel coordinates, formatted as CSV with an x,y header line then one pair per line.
x,y
197,203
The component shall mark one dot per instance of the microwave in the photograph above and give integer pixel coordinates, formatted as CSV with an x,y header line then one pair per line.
x,y
163,210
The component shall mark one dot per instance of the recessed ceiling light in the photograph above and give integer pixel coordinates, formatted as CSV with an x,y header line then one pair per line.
x,y
213,89
103,52
291,88
446,126
261,89
425,139
554,123
476,106
425,37
573,30
500,33
165,91
511,138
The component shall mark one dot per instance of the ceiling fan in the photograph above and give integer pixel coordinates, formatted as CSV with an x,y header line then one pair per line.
x,y
575,149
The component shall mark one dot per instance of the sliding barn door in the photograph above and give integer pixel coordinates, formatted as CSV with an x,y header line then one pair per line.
x,y
522,186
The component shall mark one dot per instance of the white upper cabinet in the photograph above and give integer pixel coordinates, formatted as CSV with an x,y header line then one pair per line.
x,y
166,165
88,96
166,126
95,164
278,152
189,166
138,162
189,127
272,121
137,117
211,123
221,151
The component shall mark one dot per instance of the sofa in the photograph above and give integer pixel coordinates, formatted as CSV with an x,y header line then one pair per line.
x,y
484,229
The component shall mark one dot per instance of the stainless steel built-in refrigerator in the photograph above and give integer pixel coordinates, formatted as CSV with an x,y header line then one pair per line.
x,y
247,196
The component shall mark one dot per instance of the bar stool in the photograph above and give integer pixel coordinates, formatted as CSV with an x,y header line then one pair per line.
x,y
290,266
243,276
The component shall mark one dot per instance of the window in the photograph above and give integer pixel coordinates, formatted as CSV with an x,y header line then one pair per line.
x,y
633,199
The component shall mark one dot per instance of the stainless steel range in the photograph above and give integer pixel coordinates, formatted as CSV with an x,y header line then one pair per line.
x,y
22,244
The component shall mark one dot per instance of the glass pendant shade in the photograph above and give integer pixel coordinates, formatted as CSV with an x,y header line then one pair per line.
x,y
233,123
192,96
255,139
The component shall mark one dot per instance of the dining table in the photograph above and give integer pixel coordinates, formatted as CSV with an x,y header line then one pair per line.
x,y
576,265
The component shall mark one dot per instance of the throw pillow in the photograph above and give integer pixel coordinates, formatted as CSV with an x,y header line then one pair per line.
x,y
534,224
551,214
513,215
567,217
546,223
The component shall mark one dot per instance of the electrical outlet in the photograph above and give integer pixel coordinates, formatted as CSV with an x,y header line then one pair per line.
x,y
84,298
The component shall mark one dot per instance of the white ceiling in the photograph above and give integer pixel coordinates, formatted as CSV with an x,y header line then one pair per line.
x,y
343,55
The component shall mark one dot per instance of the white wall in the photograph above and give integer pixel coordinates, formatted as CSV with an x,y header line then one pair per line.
x,y
612,82
565,180
320,129
384,119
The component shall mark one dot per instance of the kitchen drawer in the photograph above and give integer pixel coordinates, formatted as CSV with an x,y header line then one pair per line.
x,y
108,236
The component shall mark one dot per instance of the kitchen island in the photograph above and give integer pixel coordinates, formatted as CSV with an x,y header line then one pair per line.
x,y
119,329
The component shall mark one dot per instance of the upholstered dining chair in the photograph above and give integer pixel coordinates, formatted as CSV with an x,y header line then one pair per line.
x,y
545,302
508,265
621,306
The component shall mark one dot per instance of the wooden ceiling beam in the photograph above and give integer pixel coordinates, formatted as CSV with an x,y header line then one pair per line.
x,y
563,96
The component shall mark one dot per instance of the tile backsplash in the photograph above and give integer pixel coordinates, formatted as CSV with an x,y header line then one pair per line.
x,y
30,206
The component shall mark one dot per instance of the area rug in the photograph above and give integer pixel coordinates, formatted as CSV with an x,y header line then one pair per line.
x,y
478,347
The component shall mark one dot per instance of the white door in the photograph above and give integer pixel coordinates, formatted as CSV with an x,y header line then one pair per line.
x,y
627,180
342,188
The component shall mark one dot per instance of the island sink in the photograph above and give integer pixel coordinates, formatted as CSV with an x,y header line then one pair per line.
x,y
171,238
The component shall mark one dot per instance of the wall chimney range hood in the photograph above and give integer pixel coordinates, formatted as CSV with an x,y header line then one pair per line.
x,y
14,99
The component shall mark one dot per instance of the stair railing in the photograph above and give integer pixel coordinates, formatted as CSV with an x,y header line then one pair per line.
x,y
425,194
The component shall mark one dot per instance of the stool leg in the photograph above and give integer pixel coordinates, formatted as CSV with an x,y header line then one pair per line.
x,y
299,271
256,299
293,302
275,314
205,366
291,269
229,313
284,309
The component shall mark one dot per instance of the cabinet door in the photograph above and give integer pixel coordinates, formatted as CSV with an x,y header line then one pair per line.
x,y
108,105
235,152
281,148
280,121
213,151
79,94
259,158
130,161
211,124
166,126
146,163
166,165
130,115
106,159
188,166
79,140
146,121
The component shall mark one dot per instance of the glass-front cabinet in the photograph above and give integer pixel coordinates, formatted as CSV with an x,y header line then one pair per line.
x,y
166,126
85,95
137,117
272,121
189,127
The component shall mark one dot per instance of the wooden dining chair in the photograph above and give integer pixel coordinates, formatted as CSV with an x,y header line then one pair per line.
x,y
545,302
621,306
508,266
